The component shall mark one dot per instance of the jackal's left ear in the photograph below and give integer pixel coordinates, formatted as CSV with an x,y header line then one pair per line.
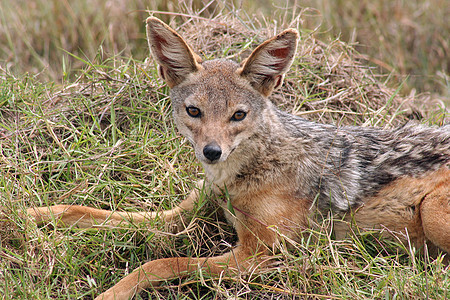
x,y
265,67
175,58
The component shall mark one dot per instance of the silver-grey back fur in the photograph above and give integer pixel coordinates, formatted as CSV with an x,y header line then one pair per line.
x,y
349,164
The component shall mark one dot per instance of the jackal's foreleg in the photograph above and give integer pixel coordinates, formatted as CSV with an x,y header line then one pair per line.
x,y
152,273
85,217
247,256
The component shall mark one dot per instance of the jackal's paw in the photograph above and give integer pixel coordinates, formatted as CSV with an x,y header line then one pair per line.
x,y
114,294
38,214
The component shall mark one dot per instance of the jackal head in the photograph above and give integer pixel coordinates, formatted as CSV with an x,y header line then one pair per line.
x,y
219,104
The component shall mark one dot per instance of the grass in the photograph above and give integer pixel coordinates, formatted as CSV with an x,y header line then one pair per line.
x,y
104,137
34,35
404,38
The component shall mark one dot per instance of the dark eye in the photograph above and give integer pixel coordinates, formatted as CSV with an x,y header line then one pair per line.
x,y
193,112
239,116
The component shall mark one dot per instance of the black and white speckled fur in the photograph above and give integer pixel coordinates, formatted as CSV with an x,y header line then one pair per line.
x,y
349,164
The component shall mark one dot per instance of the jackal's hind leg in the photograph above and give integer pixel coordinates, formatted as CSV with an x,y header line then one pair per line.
x,y
435,215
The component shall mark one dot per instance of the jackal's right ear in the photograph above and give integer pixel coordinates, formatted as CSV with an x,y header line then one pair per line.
x,y
266,65
175,58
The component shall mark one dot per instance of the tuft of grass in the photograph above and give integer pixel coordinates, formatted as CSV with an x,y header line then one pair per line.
x,y
107,139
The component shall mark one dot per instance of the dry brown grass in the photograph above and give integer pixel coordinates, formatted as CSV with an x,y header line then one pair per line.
x,y
408,39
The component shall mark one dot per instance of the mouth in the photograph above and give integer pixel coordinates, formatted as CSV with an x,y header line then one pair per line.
x,y
231,151
211,162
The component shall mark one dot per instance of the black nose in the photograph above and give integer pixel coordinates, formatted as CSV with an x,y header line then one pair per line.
x,y
212,152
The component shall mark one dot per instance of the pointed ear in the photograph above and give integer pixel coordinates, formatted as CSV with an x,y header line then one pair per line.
x,y
175,58
265,67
